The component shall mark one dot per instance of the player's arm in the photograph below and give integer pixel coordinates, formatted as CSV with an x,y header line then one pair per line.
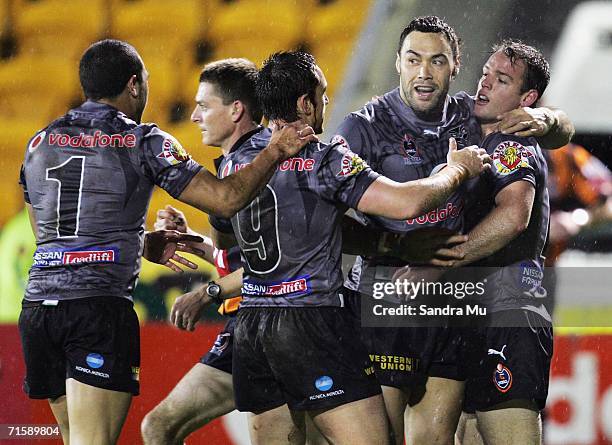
x,y
509,218
224,197
432,246
187,308
411,199
552,127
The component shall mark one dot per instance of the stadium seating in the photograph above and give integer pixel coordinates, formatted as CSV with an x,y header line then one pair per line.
x,y
15,134
37,88
41,81
58,28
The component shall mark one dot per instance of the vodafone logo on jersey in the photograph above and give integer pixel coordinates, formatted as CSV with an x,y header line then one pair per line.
x,y
98,139
36,141
297,164
450,211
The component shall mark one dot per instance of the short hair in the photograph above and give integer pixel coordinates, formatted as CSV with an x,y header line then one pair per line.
x,y
234,79
433,24
284,77
537,70
106,66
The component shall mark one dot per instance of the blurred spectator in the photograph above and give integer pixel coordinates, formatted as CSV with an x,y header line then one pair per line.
x,y
17,245
580,188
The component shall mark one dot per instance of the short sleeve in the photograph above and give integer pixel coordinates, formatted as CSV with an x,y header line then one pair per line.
x,y
353,135
343,176
167,163
514,159
24,185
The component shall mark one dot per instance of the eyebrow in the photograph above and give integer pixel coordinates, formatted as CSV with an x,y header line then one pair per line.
x,y
419,55
501,73
498,72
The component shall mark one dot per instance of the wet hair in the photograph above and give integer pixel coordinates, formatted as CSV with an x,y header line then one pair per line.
x,y
106,66
537,70
234,79
433,24
284,77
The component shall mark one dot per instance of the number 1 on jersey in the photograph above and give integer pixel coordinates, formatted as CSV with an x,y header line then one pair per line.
x,y
69,178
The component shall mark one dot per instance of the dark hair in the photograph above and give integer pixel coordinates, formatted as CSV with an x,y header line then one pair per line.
x,y
284,77
234,79
537,70
106,66
433,24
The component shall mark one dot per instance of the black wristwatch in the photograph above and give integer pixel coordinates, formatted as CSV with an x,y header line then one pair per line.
x,y
213,290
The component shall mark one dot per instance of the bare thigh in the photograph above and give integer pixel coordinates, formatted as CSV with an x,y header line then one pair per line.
x,y
363,422
278,426
467,431
433,415
95,415
517,422
203,394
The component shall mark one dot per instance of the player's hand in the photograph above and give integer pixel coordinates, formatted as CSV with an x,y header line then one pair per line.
x,y
170,218
161,246
187,309
287,140
407,275
525,122
473,159
432,246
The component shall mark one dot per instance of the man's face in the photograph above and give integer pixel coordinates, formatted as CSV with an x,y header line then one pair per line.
x,y
212,116
499,88
320,102
426,68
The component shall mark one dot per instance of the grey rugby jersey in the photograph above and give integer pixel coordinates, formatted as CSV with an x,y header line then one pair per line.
x,y
89,177
516,282
290,235
388,135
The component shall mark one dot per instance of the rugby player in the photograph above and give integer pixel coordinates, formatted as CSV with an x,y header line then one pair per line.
x,y
508,359
228,114
403,135
87,180
295,341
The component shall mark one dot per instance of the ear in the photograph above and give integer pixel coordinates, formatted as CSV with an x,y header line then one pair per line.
x,y
238,111
133,86
397,63
529,98
456,68
304,105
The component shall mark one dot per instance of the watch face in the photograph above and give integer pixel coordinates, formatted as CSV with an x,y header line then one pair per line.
x,y
213,290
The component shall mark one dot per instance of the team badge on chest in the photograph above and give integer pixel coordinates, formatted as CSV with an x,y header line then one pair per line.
x,y
410,151
510,156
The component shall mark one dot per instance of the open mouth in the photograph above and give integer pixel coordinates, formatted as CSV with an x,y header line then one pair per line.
x,y
424,91
481,99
